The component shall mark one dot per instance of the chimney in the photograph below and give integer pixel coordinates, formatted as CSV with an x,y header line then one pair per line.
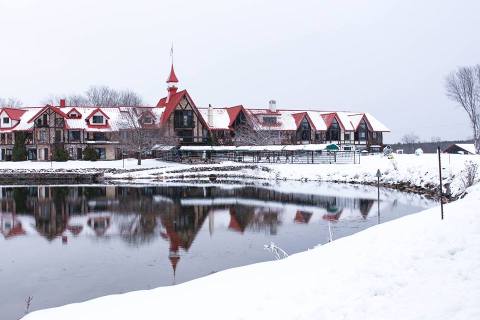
x,y
272,106
63,103
210,115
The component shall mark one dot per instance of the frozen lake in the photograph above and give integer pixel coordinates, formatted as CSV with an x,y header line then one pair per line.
x,y
65,244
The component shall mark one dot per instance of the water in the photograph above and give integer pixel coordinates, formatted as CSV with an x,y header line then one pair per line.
x,y
64,244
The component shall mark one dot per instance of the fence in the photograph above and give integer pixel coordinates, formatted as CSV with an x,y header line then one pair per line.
x,y
274,154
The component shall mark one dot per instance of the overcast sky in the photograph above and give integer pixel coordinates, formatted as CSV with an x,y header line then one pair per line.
x,y
386,57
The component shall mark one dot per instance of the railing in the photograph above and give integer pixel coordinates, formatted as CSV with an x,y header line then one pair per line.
x,y
299,157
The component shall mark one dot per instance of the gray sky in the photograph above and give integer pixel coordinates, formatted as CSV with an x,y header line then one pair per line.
x,y
389,58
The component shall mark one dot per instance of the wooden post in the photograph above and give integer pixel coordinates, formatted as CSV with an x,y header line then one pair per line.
x,y
440,187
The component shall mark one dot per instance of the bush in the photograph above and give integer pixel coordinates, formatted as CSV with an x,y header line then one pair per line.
x,y
60,154
19,152
469,174
90,154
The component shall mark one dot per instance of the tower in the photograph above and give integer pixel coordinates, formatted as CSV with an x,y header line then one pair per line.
x,y
171,83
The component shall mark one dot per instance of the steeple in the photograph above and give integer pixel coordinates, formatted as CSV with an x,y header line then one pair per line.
x,y
172,78
171,83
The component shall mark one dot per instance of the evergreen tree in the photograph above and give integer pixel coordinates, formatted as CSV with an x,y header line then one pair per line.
x,y
19,152
90,154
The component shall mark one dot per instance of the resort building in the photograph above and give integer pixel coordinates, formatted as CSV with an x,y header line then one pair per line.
x,y
176,120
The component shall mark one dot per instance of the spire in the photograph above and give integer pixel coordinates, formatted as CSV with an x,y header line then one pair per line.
x,y
172,78
173,256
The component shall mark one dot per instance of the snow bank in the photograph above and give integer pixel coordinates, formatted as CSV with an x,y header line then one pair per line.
x,y
416,267
421,171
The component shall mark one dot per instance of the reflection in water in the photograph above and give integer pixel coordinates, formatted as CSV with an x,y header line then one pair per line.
x,y
237,222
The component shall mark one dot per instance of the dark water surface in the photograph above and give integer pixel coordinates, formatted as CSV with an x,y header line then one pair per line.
x,y
64,244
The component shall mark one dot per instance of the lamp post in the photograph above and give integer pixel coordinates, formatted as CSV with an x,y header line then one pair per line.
x,y
378,175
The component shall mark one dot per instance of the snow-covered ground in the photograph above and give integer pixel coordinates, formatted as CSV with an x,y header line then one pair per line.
x,y
416,267
420,170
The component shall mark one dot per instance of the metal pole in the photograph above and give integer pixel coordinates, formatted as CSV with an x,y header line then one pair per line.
x,y
440,189
379,174
123,160
378,199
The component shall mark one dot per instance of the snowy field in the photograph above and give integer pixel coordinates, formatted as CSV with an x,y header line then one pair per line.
x,y
430,271
417,170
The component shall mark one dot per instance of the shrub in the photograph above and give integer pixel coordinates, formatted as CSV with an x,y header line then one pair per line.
x,y
19,152
60,154
90,154
469,174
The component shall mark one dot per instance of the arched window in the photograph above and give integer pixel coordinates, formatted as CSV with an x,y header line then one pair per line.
x,y
304,130
333,132
362,131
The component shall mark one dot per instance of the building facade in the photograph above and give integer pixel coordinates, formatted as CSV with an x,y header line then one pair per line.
x,y
178,121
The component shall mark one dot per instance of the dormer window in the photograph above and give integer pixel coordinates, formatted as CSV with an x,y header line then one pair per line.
x,y
270,120
97,120
74,115
147,120
6,120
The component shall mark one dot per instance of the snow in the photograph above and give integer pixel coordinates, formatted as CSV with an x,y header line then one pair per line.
x,y
469,147
403,168
416,267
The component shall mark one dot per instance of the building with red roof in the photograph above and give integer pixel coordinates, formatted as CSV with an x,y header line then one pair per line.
x,y
180,122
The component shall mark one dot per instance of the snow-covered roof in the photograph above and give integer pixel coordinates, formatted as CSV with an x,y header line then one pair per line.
x,y
288,120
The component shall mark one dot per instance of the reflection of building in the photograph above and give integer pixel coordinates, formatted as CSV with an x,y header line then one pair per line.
x,y
302,216
181,226
10,226
99,224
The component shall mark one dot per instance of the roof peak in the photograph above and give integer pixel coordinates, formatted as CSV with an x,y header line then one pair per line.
x,y
172,78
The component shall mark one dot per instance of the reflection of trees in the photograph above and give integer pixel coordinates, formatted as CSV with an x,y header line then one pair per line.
x,y
137,229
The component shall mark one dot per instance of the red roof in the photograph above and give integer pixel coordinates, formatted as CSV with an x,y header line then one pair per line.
x,y
95,111
74,110
328,118
14,114
233,113
172,77
54,109
299,117
173,103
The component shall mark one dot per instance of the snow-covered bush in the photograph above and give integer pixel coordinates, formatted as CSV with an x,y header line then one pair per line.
x,y
419,152
469,175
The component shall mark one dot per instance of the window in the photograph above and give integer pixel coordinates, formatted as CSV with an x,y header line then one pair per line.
x,y
362,132
101,153
270,120
74,115
74,135
97,119
304,130
333,132
346,136
42,136
99,136
6,120
183,119
147,120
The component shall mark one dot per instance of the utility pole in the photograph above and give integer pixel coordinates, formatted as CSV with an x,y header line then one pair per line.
x,y
441,183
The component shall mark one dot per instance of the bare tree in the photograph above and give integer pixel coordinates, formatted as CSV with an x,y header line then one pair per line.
x,y
137,137
246,135
99,96
410,140
463,87
10,102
